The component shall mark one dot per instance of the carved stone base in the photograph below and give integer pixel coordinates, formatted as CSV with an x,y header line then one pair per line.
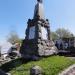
x,y
40,45
38,48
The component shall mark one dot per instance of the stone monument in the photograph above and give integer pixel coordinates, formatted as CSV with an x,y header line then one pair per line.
x,y
38,41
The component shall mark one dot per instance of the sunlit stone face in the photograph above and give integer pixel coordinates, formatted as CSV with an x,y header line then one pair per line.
x,y
44,33
32,32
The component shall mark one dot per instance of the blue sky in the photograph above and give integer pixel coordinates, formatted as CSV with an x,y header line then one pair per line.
x,y
15,13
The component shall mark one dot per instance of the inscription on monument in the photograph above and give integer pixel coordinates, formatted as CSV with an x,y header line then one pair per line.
x,y
44,33
32,32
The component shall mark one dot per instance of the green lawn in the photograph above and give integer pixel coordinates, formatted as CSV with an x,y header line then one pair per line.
x,y
51,65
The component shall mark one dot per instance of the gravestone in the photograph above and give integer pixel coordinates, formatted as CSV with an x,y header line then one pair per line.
x,y
2,73
38,41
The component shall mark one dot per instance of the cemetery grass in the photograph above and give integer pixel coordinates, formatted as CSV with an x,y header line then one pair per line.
x,y
51,65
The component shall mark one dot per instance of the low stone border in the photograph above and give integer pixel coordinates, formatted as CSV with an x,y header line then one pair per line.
x,y
68,71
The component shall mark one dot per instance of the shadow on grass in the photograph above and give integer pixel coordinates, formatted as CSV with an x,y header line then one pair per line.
x,y
71,54
13,64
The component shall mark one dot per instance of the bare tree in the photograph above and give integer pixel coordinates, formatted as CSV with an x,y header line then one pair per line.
x,y
13,37
54,35
61,32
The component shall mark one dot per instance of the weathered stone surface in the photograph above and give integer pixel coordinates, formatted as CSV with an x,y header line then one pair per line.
x,y
40,45
39,11
43,43
36,70
2,73
50,52
47,44
41,52
51,44
39,41
40,35
39,22
39,28
8,73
